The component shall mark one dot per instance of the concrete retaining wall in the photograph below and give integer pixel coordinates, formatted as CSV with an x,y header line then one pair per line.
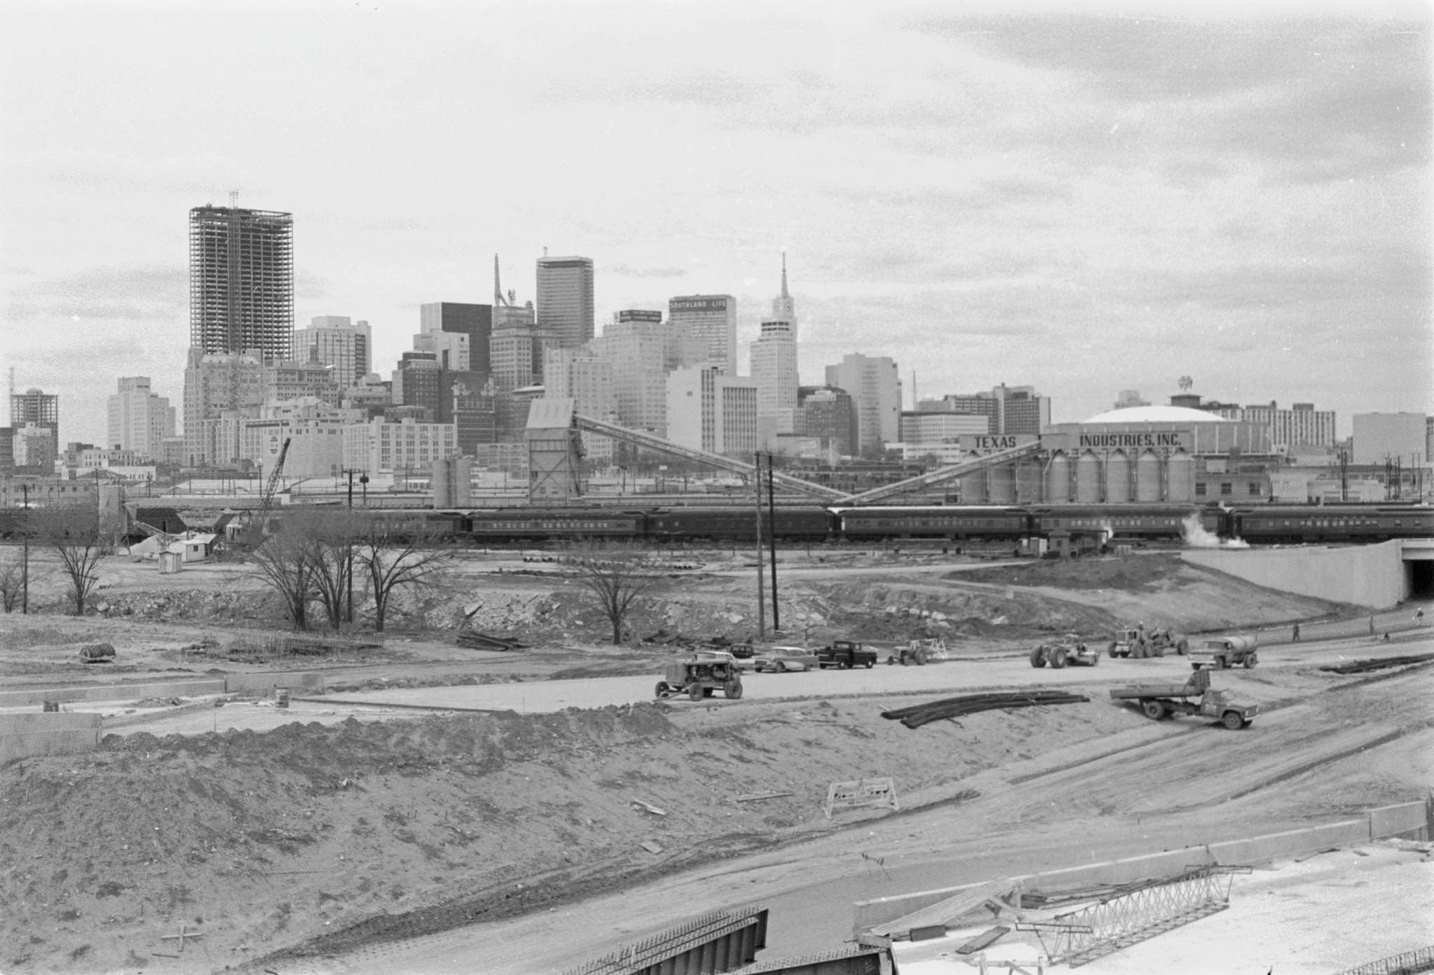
x,y
25,697
265,683
1408,820
192,687
47,733
1403,820
1365,575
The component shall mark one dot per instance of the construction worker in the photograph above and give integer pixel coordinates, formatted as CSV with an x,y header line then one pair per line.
x,y
1295,634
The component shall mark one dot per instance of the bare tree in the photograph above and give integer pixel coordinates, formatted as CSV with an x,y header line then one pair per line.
x,y
396,556
334,538
617,578
286,561
12,580
74,534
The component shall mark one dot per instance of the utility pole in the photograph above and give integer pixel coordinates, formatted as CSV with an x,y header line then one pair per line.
x,y
25,557
761,584
772,540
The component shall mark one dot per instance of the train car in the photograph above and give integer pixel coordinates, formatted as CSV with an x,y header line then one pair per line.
x,y
1271,524
952,522
737,523
1130,522
554,524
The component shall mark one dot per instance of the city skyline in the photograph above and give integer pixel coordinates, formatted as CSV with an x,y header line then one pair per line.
x,y
1083,204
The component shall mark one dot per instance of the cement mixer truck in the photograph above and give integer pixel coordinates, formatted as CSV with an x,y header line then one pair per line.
x,y
1224,652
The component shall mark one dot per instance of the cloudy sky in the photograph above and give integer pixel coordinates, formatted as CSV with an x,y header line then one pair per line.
x,y
1081,199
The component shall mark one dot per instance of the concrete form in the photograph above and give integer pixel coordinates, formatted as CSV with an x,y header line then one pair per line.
x,y
1365,575
47,733
1411,820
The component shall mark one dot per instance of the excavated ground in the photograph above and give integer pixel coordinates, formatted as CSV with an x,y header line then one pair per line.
x,y
311,840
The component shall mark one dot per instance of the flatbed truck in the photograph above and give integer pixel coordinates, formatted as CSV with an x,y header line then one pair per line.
x,y
1195,696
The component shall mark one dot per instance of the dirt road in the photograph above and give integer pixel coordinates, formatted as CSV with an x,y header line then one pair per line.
x,y
1061,800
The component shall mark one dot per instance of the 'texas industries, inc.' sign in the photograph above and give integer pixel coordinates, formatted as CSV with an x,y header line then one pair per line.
x,y
1135,441
989,443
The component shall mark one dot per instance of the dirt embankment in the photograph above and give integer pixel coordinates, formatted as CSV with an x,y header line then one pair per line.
x,y
270,840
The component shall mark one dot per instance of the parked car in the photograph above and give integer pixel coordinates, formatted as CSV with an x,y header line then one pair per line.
x,y
781,660
845,654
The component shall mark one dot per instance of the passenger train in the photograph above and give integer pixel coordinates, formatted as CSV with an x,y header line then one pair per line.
x,y
1264,524
1256,524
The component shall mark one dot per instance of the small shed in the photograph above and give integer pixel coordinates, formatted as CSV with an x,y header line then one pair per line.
x,y
170,562
194,547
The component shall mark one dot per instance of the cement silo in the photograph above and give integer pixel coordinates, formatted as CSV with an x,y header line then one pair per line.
x,y
1148,482
1058,479
1117,478
1088,479
1001,484
1180,477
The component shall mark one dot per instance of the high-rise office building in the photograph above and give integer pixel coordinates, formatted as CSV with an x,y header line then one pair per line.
x,y
418,381
1010,409
565,299
336,341
219,391
774,365
710,321
875,391
37,409
774,370
472,320
710,411
828,414
241,281
139,419
640,354
584,377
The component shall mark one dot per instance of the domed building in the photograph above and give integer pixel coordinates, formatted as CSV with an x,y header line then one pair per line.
x,y
1156,454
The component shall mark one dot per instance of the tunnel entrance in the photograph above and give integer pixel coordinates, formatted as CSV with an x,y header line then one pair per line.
x,y
1420,573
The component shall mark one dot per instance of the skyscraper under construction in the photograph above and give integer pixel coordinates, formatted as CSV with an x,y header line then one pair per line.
x,y
241,281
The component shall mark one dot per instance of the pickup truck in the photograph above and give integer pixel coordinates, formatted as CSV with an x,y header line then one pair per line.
x,y
845,654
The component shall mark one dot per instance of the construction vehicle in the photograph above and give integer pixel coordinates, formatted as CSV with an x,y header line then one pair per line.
x,y
256,527
700,675
845,654
918,652
1224,652
1195,696
1136,641
1069,649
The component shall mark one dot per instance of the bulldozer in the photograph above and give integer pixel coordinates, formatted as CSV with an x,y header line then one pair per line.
x,y
1068,650
1138,642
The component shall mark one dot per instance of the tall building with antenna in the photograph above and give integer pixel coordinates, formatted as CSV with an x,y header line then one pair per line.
x,y
565,299
241,281
774,366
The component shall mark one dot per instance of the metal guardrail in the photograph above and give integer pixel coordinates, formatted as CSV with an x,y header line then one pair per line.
x,y
1404,963
668,948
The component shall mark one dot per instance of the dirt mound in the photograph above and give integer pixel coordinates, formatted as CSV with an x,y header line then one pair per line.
x,y
266,840
1134,574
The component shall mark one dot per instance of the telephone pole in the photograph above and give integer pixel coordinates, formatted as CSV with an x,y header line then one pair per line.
x,y
761,583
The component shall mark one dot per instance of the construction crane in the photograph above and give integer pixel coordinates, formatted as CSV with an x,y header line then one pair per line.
x,y
256,526
271,485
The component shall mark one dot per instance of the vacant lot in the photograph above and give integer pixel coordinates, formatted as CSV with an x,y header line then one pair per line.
x,y
313,841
